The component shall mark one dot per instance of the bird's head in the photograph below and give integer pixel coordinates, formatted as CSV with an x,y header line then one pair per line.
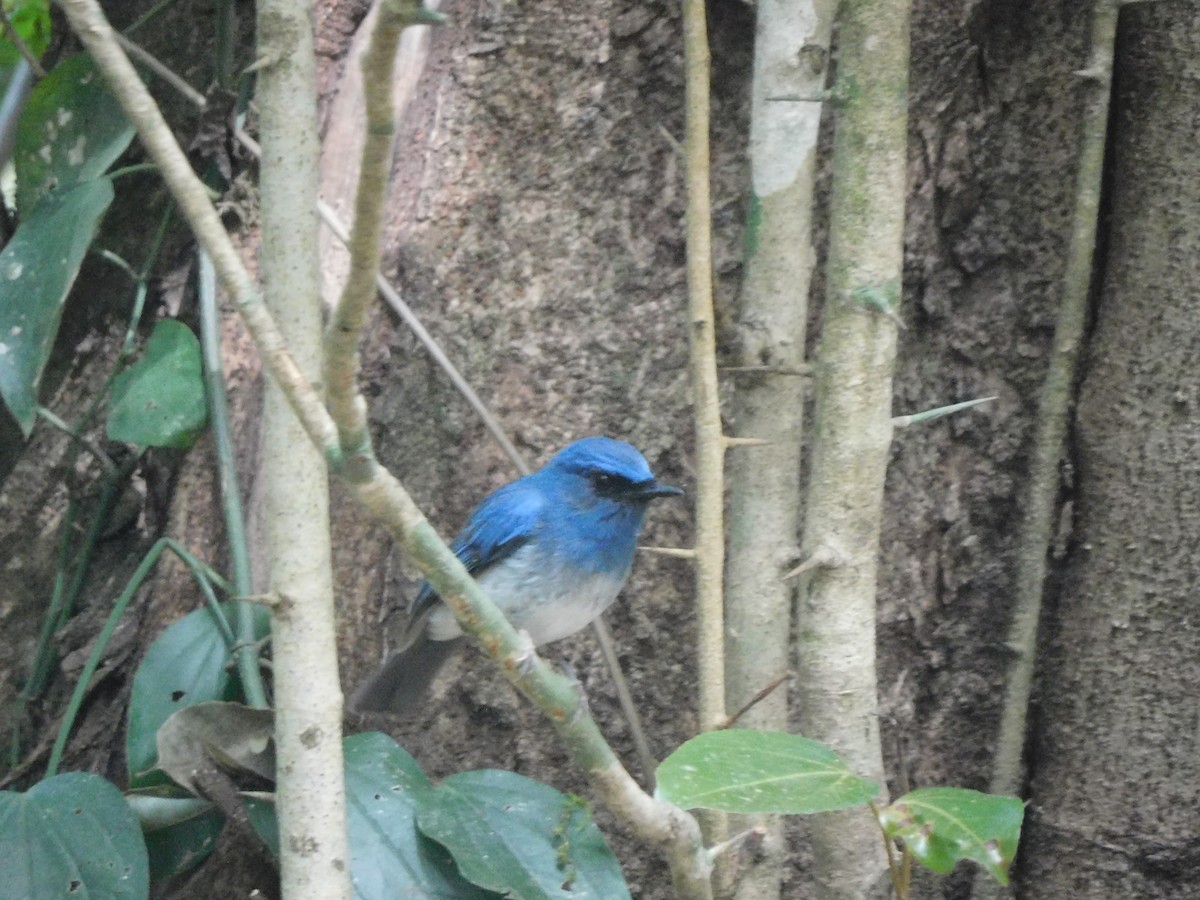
x,y
613,470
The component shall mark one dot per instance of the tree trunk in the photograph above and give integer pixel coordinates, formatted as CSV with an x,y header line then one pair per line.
x,y
1116,792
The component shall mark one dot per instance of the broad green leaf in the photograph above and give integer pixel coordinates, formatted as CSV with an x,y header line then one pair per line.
x,y
178,848
389,857
159,401
185,666
72,130
179,831
384,789
743,771
942,825
71,836
37,269
522,838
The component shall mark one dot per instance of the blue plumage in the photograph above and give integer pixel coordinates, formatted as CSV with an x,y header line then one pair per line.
x,y
552,550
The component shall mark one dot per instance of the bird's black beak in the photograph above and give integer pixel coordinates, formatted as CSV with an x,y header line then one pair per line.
x,y
652,489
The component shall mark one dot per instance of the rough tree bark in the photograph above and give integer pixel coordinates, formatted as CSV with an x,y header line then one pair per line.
x,y
1116,787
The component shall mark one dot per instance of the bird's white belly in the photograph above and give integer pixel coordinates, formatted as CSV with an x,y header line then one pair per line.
x,y
545,601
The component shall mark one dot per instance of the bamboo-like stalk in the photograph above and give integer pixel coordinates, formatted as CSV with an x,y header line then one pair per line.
x,y
659,824
1054,404
764,502
853,426
710,441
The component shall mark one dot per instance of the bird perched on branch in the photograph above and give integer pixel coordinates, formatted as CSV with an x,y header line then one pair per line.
x,y
552,550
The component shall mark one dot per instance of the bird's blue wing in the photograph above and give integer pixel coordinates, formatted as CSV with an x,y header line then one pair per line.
x,y
498,526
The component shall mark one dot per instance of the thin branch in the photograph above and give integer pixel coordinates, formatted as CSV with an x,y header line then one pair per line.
x,y
755,700
87,443
672,141
150,15
710,440
608,647
731,441
152,63
392,297
894,873
823,557
346,403
231,495
1054,405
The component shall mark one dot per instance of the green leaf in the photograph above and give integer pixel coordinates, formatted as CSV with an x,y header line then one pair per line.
x,y
179,832
72,130
31,19
384,789
942,825
71,836
37,269
519,837
743,771
159,401
389,857
183,667
178,848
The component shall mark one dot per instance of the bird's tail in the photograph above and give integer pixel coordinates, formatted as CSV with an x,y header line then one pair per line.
x,y
401,684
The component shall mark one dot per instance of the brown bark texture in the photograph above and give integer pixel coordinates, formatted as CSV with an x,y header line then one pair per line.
x,y
1116,788
536,226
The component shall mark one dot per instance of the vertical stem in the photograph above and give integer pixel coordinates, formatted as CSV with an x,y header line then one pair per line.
x,y
853,387
1054,403
790,53
226,26
346,403
710,442
314,859
231,495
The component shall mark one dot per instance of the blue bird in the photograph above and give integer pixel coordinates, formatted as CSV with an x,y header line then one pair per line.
x,y
552,550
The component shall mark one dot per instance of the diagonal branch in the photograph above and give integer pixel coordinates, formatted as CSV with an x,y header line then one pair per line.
x,y
346,404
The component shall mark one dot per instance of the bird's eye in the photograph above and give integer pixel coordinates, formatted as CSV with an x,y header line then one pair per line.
x,y
603,480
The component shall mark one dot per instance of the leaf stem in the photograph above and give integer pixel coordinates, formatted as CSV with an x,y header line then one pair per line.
x,y
231,495
79,694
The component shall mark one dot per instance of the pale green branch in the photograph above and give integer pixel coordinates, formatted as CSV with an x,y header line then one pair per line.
x,y
346,404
